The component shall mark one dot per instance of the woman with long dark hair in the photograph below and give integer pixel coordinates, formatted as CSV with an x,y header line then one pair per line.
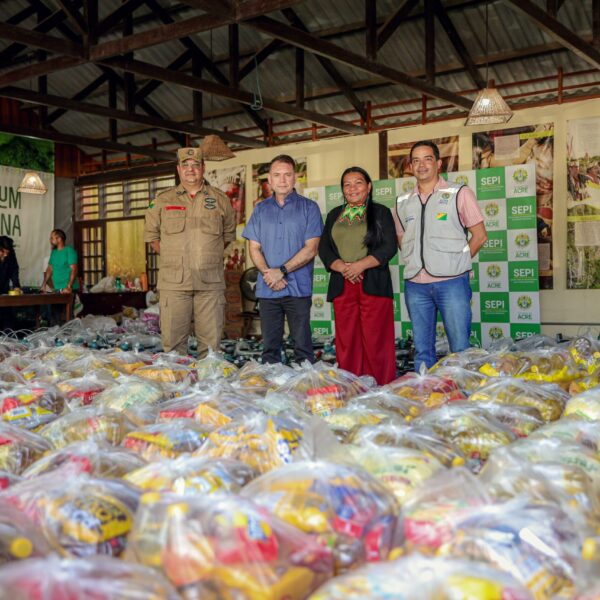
x,y
9,274
356,246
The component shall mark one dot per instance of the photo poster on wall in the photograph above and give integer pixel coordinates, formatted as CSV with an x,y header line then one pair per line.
x,y
27,218
505,280
583,204
232,182
260,184
518,146
399,157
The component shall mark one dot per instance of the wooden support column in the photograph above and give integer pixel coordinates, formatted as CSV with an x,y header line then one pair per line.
x,y
383,154
197,97
112,103
371,29
129,78
234,55
429,42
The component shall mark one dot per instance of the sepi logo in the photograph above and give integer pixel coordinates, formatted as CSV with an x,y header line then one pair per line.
x,y
524,302
408,186
462,180
319,302
313,195
439,331
494,271
496,333
492,209
520,175
522,240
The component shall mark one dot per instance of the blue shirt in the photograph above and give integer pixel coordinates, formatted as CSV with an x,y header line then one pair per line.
x,y
281,232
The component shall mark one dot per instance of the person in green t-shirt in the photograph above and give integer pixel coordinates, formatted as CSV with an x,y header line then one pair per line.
x,y
62,267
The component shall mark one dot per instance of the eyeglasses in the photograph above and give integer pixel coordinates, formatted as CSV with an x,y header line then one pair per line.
x,y
428,160
196,166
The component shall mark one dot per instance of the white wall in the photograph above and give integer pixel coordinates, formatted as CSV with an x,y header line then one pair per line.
x,y
327,159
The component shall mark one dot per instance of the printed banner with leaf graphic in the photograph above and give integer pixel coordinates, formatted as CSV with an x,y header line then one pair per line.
x,y
505,280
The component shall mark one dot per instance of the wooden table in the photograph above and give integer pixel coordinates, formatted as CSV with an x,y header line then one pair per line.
x,y
38,300
110,303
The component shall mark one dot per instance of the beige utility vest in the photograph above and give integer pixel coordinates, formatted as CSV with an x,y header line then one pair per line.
x,y
192,234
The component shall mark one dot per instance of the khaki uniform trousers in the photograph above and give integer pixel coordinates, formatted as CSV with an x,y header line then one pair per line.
x,y
177,307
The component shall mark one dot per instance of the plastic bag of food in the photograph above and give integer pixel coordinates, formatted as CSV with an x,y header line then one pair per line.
x,y
521,420
67,353
469,359
584,406
259,379
211,407
19,448
192,475
400,470
344,507
93,458
7,479
576,431
162,371
266,442
96,577
167,440
323,388
137,398
128,362
275,403
47,372
577,386
355,415
91,362
81,391
585,353
505,364
548,399
226,547
537,544
90,423
550,365
475,434
79,515
214,366
468,381
384,399
411,437
30,406
424,578
9,348
430,391
429,514
11,374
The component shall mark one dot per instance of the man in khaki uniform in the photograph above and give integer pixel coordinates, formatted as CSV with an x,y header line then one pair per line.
x,y
189,226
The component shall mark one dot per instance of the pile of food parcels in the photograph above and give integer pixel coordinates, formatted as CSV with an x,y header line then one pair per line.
x,y
128,475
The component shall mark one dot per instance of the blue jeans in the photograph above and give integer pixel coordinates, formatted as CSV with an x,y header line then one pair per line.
x,y
452,298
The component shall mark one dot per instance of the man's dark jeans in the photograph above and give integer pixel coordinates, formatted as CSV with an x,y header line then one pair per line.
x,y
272,314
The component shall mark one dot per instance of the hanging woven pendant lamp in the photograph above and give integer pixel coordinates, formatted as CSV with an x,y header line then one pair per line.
x,y
214,148
32,184
489,107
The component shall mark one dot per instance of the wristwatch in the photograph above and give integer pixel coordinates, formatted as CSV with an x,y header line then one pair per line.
x,y
283,270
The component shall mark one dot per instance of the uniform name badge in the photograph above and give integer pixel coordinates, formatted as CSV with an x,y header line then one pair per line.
x,y
210,203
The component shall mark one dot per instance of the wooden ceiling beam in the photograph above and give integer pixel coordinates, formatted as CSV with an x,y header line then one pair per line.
x,y
321,47
42,41
52,65
217,7
557,31
259,56
76,140
73,14
394,21
114,18
112,113
195,83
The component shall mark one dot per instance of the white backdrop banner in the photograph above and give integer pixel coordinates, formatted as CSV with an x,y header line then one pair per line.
x,y
27,219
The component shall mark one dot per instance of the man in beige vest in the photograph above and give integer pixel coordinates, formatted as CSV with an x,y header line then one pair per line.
x,y
189,226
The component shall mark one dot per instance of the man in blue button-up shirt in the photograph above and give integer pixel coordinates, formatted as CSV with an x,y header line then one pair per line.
x,y
283,233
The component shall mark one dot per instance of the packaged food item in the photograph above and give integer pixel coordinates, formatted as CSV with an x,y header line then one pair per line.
x,y
7,479
572,430
467,380
91,457
342,506
90,423
167,440
10,373
470,359
521,420
226,547
90,363
386,400
429,514
19,448
356,415
259,379
30,406
210,407
424,578
67,353
475,434
430,391
214,366
162,371
95,577
128,362
137,398
584,406
47,372
192,475
551,365
548,399
577,386
412,437
585,353
266,442
81,391
401,470
78,515
537,544
323,388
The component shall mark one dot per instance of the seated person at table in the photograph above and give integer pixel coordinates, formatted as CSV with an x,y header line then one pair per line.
x,y
62,267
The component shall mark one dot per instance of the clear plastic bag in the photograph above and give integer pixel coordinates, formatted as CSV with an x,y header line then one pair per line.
x,y
521,420
7,479
167,440
384,399
467,359
576,431
584,406
259,379
343,506
81,391
30,406
548,399
323,388
550,365
468,381
226,547
585,353
214,366
162,371
135,397
96,577
91,423
424,578
20,448
128,362
356,415
193,475
96,459
430,391
78,515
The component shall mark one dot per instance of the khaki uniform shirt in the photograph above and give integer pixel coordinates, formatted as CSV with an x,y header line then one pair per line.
x,y
192,234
